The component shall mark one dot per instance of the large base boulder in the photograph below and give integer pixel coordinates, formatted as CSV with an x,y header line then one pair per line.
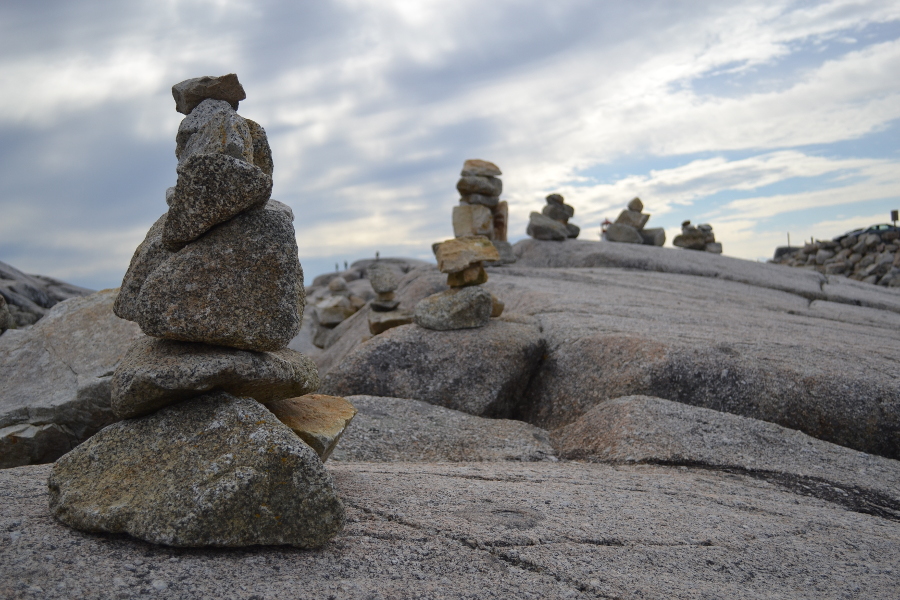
x,y
479,371
542,227
215,471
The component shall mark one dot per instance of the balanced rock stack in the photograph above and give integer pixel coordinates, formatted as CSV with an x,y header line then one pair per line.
x,y
334,309
480,210
199,459
629,227
385,312
700,237
552,223
466,304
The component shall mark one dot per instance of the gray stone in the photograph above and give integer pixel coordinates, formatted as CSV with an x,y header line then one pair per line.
x,y
214,128
822,255
617,232
214,471
482,371
479,184
55,378
653,237
556,212
556,198
29,297
191,92
714,247
632,219
239,285
502,530
573,230
478,167
652,430
636,205
211,189
542,227
338,286
333,310
385,305
693,240
262,153
6,320
505,250
403,430
458,308
472,219
379,322
155,373
382,277
489,201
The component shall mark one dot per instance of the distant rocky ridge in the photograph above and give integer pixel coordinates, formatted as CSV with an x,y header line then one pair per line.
x,y
28,297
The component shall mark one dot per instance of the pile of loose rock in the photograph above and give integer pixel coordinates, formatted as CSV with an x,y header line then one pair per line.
x,y
700,237
868,257
466,304
480,210
385,312
552,223
199,459
629,227
337,306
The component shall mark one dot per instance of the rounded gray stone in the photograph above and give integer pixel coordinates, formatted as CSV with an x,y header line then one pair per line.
x,y
191,92
458,308
542,227
478,184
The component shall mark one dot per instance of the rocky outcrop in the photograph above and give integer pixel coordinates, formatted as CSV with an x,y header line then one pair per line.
x,y
480,371
29,297
56,377
508,530
403,430
870,257
216,471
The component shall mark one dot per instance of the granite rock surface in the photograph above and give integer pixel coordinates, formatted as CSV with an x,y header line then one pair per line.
x,y
215,471
155,373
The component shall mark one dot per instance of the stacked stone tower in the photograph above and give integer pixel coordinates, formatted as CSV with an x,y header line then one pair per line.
x,y
480,210
217,287
552,223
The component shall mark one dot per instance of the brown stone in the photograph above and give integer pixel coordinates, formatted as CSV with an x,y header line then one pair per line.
x,y
319,420
477,184
472,219
460,253
632,219
191,92
501,220
496,307
474,275
262,153
474,166
379,322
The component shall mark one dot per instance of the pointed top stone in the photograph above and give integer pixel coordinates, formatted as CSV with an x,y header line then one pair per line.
x,y
636,205
191,92
475,166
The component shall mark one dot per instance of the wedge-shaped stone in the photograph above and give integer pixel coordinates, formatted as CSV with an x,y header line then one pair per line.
x,y
636,205
478,184
472,219
460,253
319,420
191,92
155,373
215,471
214,128
239,285
475,166
211,189
457,308
262,152
542,227
632,219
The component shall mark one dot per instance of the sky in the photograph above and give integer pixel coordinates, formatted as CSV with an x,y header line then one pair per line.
x,y
764,119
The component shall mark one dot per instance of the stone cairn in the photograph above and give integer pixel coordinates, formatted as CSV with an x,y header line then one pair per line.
x,y
700,237
552,223
385,313
466,304
867,257
629,227
339,305
220,442
480,210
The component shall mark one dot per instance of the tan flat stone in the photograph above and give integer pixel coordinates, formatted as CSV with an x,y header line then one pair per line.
x,y
459,254
319,420
474,275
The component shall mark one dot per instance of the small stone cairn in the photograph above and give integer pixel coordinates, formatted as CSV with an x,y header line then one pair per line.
x,y
215,409
869,257
385,313
339,305
552,223
480,210
629,227
700,237
466,304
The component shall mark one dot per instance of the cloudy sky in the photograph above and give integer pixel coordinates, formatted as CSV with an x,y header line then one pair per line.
x,y
761,118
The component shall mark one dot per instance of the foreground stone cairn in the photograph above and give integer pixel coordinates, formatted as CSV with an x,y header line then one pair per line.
x,y
700,237
466,304
199,459
867,257
480,210
552,223
629,227
385,312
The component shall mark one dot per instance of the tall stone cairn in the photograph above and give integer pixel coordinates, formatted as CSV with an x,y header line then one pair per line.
x,y
629,227
480,210
203,455
552,223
